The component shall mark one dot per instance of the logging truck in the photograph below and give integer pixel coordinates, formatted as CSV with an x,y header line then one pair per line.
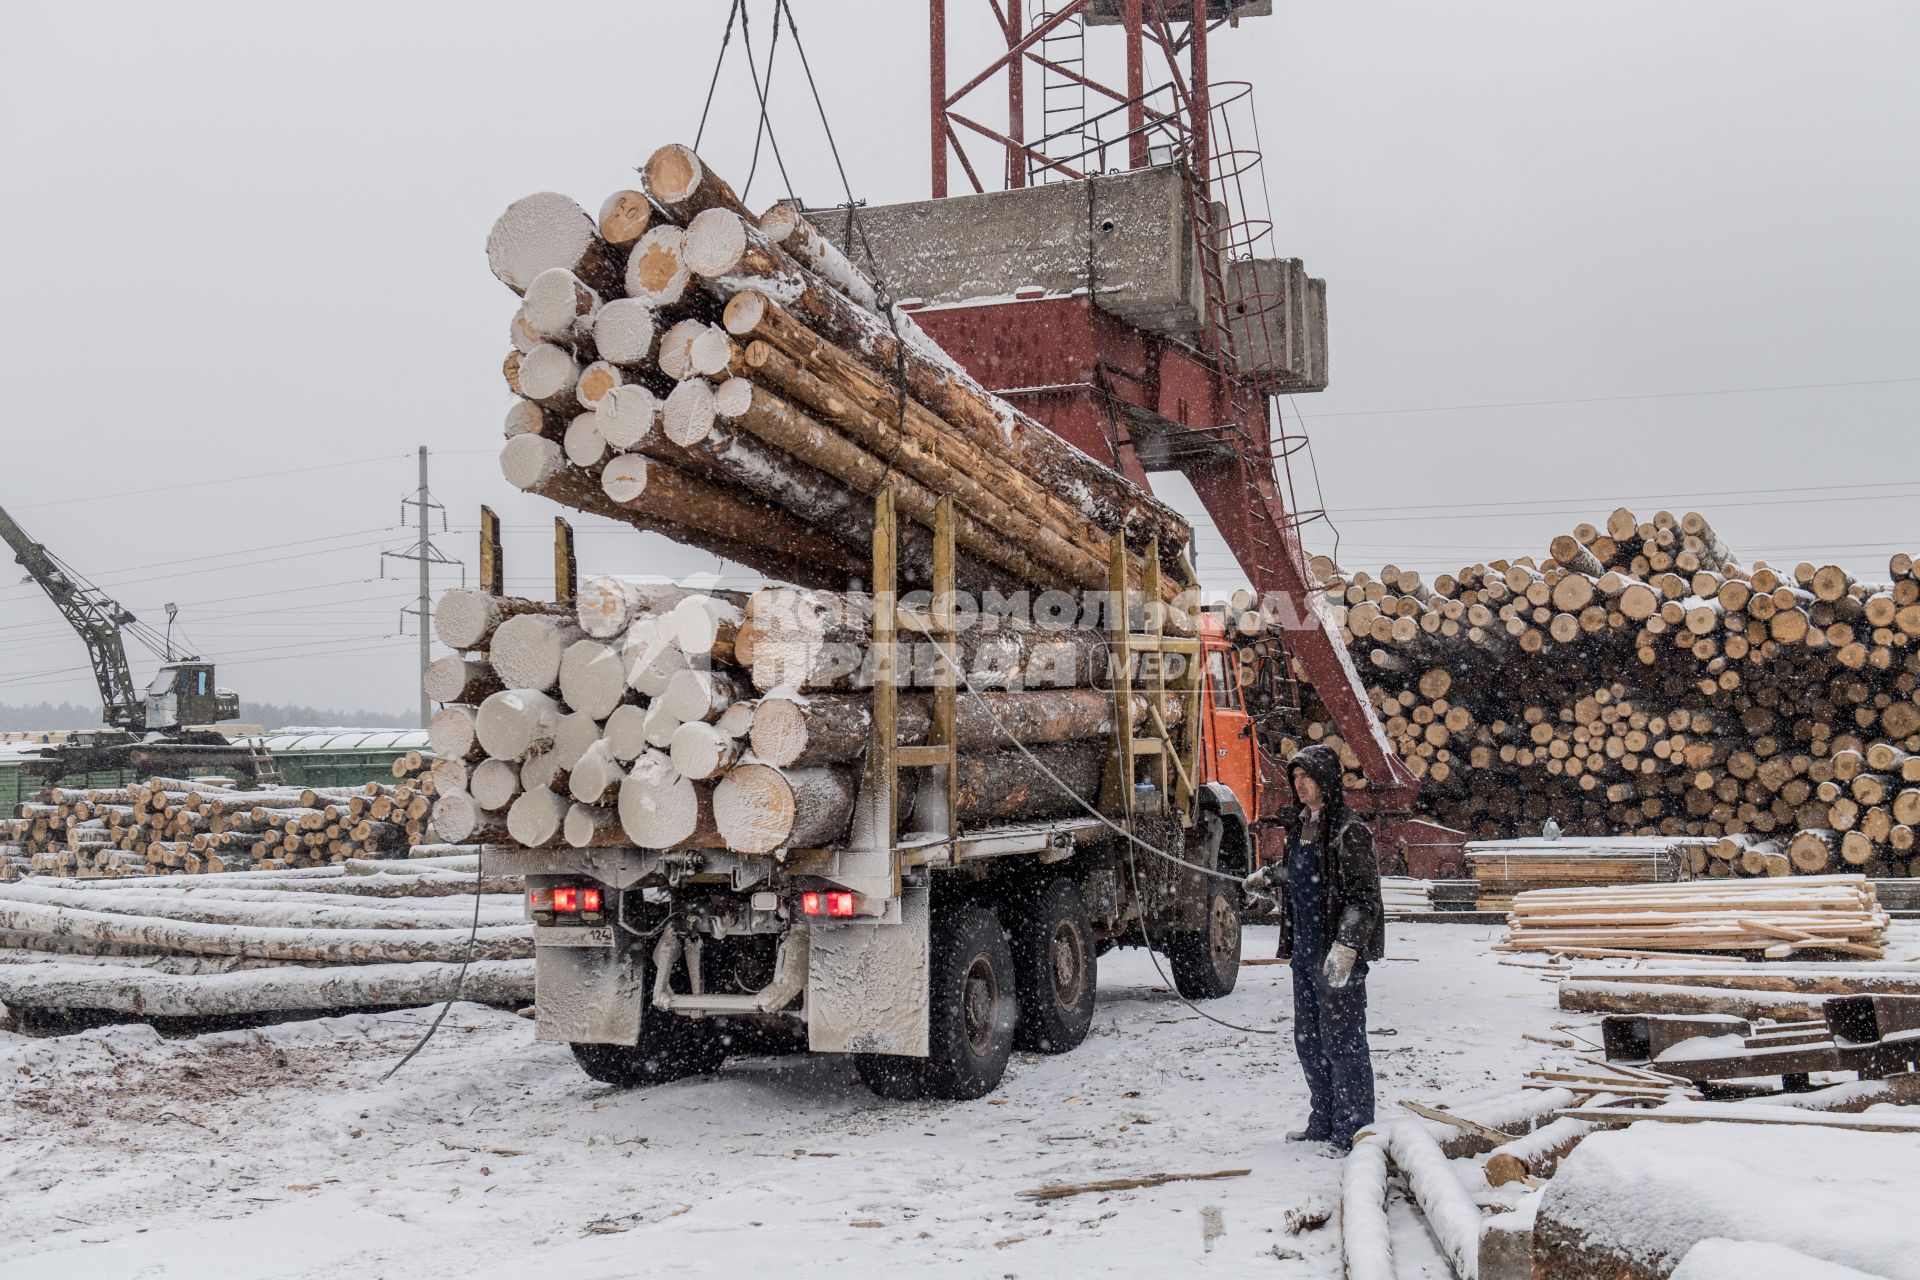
x,y
925,945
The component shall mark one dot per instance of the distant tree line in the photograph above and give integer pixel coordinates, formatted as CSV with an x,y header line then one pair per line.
x,y
273,715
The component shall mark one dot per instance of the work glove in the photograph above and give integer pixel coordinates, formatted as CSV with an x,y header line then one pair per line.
x,y
1259,882
1337,968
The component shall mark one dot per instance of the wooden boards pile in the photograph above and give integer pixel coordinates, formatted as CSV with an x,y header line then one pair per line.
x,y
1773,918
186,826
1638,680
732,381
360,935
665,718
1503,868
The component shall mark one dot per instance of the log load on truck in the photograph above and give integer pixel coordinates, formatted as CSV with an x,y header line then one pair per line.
x,y
983,847
978,729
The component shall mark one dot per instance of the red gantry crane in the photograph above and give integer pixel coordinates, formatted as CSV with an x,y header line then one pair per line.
x,y
1113,276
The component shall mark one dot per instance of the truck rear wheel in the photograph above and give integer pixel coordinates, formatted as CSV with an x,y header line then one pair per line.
x,y
670,1048
972,1008
1056,970
1206,964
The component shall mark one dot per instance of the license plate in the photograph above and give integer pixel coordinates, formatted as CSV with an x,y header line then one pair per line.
x,y
600,935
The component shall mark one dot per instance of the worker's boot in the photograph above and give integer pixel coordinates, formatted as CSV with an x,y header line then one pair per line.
x,y
1306,1135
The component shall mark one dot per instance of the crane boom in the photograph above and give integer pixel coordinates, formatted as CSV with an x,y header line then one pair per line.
x,y
94,615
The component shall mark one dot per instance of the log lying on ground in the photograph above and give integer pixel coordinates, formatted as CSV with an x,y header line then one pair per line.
x,y
267,990
269,910
332,946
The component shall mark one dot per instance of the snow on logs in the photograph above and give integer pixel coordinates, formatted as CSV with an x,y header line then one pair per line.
x,y
367,935
805,421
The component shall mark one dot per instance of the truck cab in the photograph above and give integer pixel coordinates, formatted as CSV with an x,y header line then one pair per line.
x,y
1230,753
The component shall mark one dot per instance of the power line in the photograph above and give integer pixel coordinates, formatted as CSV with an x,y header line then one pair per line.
x,y
201,484
1651,395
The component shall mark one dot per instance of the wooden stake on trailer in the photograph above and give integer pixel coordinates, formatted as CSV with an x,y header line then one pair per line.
x,y
941,752
877,807
493,565
566,566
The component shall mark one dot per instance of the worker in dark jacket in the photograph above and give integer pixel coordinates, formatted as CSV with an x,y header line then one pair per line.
x,y
1332,924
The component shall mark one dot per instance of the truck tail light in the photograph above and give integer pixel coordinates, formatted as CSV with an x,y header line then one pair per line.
x,y
584,901
836,905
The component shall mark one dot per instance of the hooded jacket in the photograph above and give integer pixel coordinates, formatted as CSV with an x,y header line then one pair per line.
x,y
1351,910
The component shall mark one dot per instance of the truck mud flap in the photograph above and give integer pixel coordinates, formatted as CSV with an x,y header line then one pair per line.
x,y
867,983
589,995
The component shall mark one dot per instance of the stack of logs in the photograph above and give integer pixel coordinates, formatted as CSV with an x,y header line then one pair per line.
x,y
361,935
669,718
735,383
186,826
1639,680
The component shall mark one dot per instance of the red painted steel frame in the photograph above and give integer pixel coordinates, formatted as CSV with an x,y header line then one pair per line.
x,y
1098,381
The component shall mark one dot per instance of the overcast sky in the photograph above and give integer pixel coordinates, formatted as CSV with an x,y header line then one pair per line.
x,y
243,254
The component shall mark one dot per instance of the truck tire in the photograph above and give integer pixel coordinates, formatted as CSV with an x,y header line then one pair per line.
x,y
1206,965
670,1048
1055,968
972,1008
890,1075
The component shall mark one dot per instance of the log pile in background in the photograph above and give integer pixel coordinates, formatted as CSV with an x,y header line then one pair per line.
x,y
364,934
1640,680
186,826
1775,918
733,382
668,718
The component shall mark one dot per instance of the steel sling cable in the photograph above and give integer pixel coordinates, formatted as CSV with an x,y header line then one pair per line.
x,y
854,229
459,979
726,38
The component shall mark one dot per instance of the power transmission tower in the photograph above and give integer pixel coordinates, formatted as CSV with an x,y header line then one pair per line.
x,y
427,555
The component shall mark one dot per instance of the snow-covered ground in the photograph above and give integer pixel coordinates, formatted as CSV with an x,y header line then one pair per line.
x,y
281,1153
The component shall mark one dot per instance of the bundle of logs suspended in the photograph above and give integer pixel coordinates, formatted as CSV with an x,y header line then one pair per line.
x,y
735,383
190,825
1639,680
